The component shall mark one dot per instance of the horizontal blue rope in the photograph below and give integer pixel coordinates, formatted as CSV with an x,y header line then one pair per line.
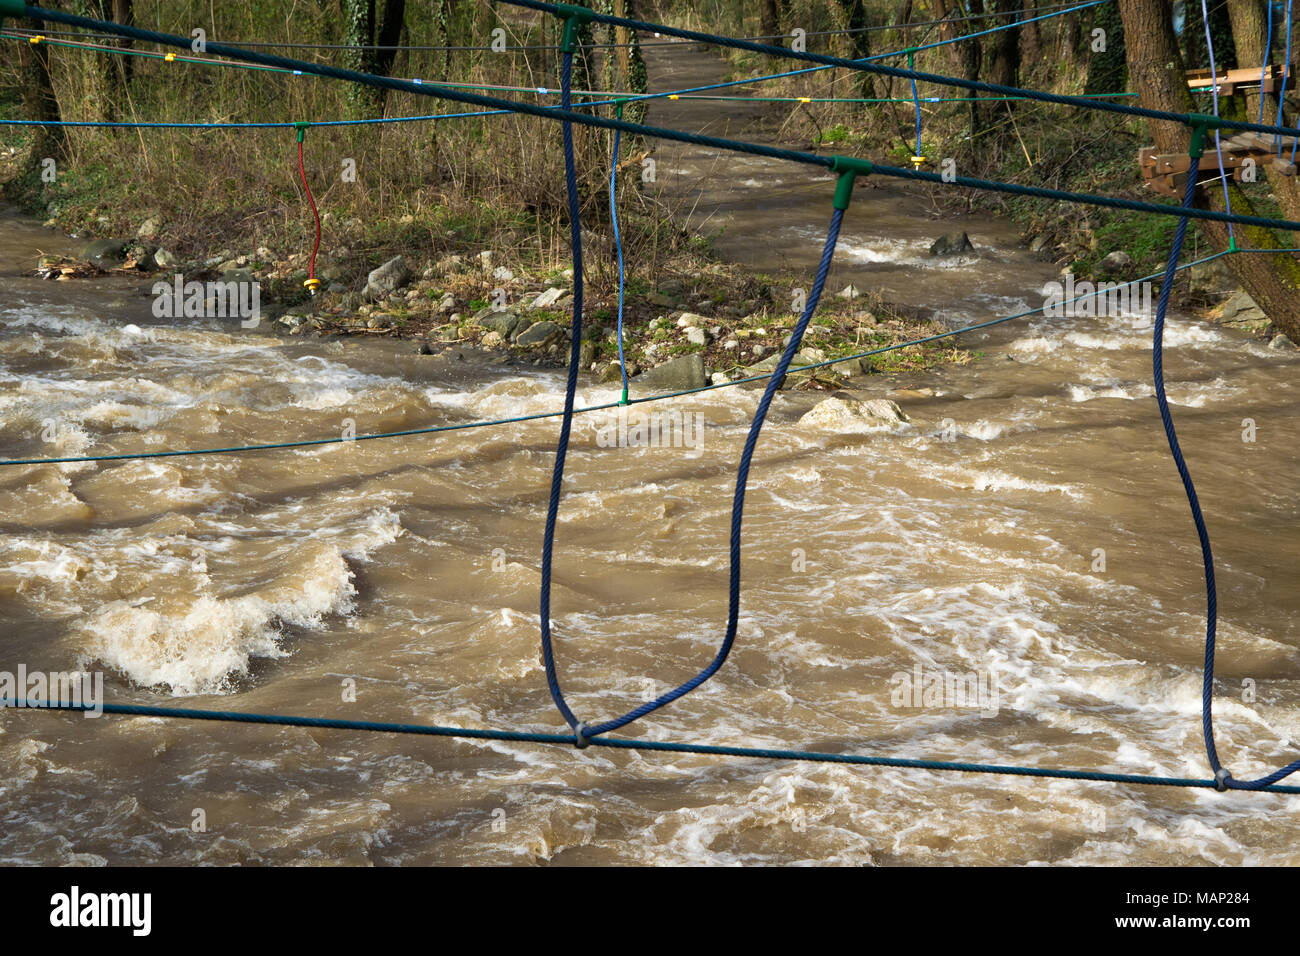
x,y
621,743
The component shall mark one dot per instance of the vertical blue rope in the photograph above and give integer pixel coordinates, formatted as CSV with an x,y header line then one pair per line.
x,y
916,101
1207,554
742,473
618,247
1286,67
1214,93
1267,58
738,501
570,390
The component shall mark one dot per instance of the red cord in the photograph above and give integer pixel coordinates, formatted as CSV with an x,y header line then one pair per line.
x,y
311,269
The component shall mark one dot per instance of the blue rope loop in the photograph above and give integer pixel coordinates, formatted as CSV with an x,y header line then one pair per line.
x,y
570,391
1223,779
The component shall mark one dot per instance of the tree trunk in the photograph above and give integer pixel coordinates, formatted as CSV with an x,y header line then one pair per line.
x,y
1106,66
768,20
1156,69
1249,34
39,101
1031,42
855,18
1004,59
390,35
968,55
359,31
1070,33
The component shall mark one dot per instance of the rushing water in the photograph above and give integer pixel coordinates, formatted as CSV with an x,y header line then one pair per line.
x,y
962,545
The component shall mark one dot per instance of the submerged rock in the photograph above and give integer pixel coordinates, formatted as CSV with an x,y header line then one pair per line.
x,y
105,253
951,244
842,414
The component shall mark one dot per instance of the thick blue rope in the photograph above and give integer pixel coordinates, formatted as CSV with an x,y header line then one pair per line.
x,y
1202,533
570,391
738,500
742,474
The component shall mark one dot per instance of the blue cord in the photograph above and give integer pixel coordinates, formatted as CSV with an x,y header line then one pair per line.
x,y
742,475
916,100
618,247
1214,91
1267,58
1207,554
1286,66
570,390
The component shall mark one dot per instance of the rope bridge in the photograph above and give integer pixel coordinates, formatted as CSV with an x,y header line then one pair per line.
x,y
846,169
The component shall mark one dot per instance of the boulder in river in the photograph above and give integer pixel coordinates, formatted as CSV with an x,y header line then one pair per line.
x,y
389,277
684,371
503,323
1116,265
105,253
539,335
1280,343
951,244
841,414
1241,308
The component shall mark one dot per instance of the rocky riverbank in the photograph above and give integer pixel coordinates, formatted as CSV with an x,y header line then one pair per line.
x,y
704,322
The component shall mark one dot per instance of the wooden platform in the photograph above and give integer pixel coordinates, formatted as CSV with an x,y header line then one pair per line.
x,y
1247,78
1166,173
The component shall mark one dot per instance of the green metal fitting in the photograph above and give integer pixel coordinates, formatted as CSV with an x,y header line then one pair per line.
x,y
849,168
574,16
1200,123
301,127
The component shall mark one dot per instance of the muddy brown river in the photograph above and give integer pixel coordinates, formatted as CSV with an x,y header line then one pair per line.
x,y
1025,536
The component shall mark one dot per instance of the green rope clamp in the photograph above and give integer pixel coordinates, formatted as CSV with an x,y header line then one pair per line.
x,y
1232,244
618,105
574,17
623,400
849,168
1200,123
301,127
